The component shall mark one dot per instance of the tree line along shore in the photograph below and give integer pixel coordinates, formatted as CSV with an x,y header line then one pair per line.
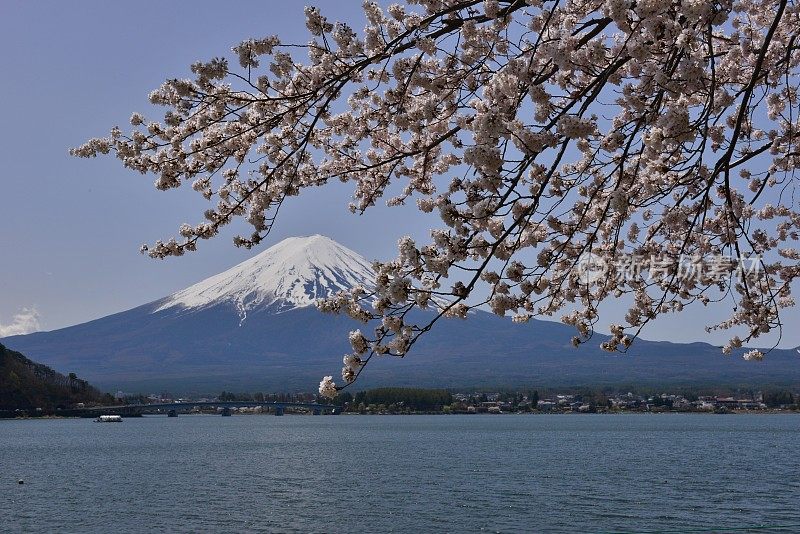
x,y
405,400
30,389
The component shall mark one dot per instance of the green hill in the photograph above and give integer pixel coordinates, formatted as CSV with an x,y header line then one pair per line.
x,y
27,385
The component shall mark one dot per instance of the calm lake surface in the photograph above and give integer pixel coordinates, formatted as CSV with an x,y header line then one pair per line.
x,y
507,473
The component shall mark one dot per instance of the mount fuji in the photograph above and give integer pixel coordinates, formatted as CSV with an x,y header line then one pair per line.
x,y
292,274
255,327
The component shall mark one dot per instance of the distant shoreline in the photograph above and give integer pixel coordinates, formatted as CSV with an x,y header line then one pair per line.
x,y
520,414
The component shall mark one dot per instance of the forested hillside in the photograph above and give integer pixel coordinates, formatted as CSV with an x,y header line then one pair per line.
x,y
27,385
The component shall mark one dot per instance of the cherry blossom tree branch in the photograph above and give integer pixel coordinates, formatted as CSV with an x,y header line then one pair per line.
x,y
542,132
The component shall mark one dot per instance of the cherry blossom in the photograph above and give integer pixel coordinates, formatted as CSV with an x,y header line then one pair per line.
x,y
538,131
327,387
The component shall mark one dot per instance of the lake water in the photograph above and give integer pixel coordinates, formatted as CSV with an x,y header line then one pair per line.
x,y
507,473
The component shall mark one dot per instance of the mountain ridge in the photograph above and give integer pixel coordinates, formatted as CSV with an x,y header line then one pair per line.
x,y
251,328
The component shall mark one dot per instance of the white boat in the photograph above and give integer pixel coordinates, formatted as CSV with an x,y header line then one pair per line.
x,y
109,419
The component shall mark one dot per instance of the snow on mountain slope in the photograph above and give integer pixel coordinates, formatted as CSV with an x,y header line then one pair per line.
x,y
291,274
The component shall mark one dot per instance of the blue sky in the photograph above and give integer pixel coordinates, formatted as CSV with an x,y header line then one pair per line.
x,y
71,228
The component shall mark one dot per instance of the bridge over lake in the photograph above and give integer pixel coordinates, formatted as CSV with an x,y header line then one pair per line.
x,y
175,408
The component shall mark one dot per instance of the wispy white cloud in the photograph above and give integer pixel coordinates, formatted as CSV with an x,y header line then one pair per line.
x,y
24,322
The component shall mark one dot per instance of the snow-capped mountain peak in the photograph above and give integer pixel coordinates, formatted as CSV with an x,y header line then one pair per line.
x,y
291,274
